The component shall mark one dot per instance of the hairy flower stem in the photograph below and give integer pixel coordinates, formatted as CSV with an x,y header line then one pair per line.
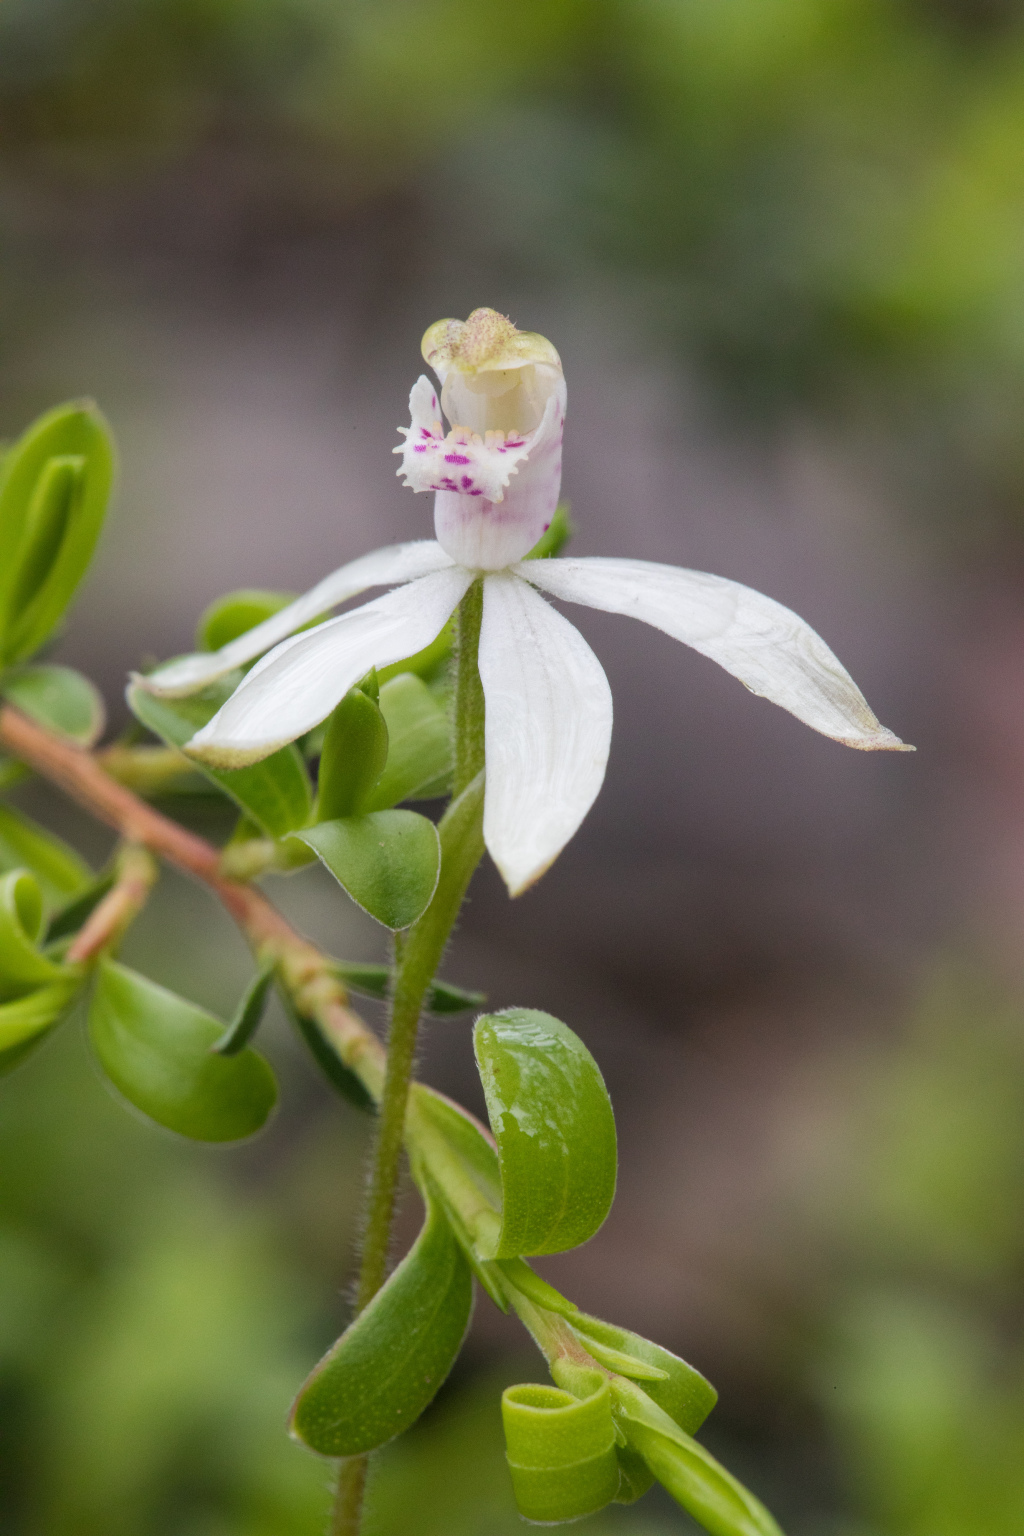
x,y
417,957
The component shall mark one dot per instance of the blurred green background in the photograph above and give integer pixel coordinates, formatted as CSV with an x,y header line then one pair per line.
x,y
780,245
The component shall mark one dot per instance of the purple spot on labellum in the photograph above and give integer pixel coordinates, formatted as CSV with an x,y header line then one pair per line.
x,y
457,458
419,448
467,481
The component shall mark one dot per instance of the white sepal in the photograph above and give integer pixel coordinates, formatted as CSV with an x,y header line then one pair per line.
x,y
298,684
398,562
548,727
768,647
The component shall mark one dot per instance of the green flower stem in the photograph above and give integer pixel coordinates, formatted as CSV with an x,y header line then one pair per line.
x,y
417,957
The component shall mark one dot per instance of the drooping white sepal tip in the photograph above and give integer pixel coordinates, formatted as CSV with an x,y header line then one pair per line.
x,y
770,649
297,685
397,562
548,724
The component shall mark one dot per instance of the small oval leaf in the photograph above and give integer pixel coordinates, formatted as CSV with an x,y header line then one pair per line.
x,y
553,1123
248,1015
560,1450
388,1364
156,1049
25,1022
375,980
59,698
235,614
388,862
419,761
276,793
352,758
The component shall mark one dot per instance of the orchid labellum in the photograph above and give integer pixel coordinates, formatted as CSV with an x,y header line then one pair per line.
x,y
495,475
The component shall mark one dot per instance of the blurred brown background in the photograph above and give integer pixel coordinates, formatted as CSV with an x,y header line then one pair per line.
x,y
780,247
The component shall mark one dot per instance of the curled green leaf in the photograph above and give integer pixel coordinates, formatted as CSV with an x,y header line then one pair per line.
x,y
690,1474
55,484
388,1364
24,844
555,1131
248,1014
675,1386
561,1449
23,968
26,1021
156,1049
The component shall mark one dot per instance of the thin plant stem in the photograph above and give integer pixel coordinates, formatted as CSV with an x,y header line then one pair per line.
x,y
417,956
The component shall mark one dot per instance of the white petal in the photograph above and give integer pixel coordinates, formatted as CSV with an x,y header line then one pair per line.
x,y
300,682
399,562
547,730
768,647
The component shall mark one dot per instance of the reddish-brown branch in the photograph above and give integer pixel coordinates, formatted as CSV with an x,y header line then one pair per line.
x,y
304,971
136,876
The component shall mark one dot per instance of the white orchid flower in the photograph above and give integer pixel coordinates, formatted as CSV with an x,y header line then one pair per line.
x,y
496,477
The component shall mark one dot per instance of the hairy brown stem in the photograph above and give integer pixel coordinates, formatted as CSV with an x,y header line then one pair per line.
x,y
304,971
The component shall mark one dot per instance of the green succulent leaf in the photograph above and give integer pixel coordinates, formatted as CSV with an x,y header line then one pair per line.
x,y
560,1449
61,872
388,862
553,1124
59,698
419,759
276,793
676,1387
388,1364
26,1021
156,1048
691,1475
248,1015
23,968
235,614
374,980
352,758
55,484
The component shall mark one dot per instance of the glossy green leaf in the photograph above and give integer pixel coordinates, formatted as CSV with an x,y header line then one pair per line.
x,y
419,759
560,530
464,1165
375,981
26,1021
693,1477
352,758
677,1388
388,1364
248,1015
276,793
235,614
341,1078
553,1123
55,484
59,698
561,1450
388,862
156,1049
23,967
24,844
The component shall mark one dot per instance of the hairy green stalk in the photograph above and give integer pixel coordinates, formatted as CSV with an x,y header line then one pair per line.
x,y
417,957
